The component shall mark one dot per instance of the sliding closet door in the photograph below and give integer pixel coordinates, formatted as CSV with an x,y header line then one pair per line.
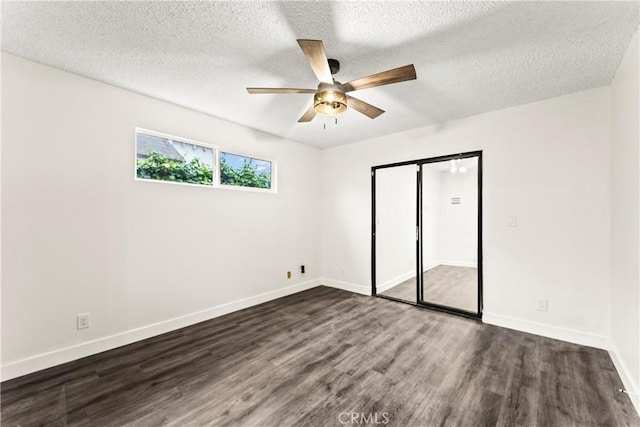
x,y
449,252
395,190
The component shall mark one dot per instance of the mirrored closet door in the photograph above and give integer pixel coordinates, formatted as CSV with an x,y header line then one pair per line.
x,y
449,234
427,232
395,219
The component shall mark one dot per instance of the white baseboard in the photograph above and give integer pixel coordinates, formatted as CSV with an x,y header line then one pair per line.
x,y
459,263
56,357
395,281
628,382
556,332
402,278
430,266
345,286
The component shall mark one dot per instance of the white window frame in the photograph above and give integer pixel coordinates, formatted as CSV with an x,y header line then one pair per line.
x,y
216,160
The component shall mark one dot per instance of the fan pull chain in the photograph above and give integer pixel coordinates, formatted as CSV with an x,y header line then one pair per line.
x,y
324,124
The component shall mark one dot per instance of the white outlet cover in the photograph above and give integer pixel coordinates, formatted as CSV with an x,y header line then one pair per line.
x,y
542,304
512,221
83,320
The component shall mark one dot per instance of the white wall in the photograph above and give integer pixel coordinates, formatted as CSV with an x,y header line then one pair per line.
x,y
80,235
431,215
459,223
625,217
546,162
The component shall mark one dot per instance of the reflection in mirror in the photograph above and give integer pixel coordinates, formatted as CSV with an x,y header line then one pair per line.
x,y
396,232
450,233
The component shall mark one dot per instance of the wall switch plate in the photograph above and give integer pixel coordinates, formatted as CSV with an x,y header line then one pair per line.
x,y
542,304
83,320
512,221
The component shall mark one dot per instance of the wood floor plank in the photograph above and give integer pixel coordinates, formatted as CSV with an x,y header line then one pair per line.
x,y
310,358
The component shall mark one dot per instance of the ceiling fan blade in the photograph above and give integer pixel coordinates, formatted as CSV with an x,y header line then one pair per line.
x,y
364,108
258,90
397,75
308,115
317,59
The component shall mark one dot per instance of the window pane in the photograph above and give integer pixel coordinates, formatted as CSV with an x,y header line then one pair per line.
x,y
165,159
244,171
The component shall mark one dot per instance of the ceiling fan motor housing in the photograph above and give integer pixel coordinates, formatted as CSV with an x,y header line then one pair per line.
x,y
334,66
329,100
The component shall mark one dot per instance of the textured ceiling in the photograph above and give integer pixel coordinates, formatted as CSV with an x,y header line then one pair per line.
x,y
470,57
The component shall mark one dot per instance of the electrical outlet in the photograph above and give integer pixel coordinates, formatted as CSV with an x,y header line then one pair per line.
x,y
288,275
83,320
512,221
542,304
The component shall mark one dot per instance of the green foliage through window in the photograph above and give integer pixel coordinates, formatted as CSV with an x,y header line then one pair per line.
x,y
156,166
244,171
165,158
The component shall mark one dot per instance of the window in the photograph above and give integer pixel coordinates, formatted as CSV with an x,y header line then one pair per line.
x,y
166,158
242,171
163,158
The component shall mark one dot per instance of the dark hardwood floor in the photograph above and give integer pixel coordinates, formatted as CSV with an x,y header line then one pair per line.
x,y
313,358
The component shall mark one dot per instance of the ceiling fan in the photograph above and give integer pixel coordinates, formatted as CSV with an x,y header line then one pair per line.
x,y
330,98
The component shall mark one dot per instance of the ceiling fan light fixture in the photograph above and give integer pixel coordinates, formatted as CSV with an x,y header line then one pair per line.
x,y
330,102
330,99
